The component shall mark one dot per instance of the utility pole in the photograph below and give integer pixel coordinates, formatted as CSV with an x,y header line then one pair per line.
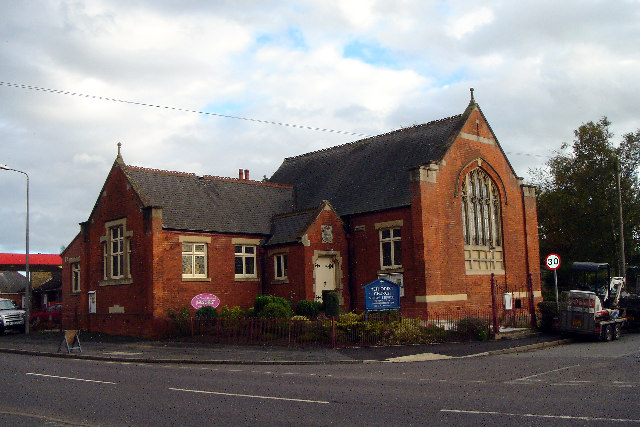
x,y
623,262
27,292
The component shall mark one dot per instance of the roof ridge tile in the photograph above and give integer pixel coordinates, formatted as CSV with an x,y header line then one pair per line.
x,y
371,138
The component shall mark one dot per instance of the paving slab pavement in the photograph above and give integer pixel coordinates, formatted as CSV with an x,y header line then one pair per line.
x,y
129,349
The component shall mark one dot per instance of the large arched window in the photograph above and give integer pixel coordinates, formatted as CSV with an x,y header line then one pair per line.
x,y
481,223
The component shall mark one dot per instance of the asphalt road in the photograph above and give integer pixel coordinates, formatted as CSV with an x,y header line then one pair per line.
x,y
585,383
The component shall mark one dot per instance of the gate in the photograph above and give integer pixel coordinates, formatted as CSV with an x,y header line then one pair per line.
x,y
512,305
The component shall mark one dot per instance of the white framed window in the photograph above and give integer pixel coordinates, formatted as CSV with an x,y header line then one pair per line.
x,y
390,248
116,242
116,246
194,260
75,277
280,266
245,261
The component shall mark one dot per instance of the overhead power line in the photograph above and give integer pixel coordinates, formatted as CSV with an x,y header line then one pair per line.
x,y
186,110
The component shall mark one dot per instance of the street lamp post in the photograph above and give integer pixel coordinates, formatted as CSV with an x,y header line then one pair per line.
x,y
26,264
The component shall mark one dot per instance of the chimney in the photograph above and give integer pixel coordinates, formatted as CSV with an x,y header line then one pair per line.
x,y
246,174
240,175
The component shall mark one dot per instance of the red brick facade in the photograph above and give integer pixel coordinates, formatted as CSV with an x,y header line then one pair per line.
x,y
437,268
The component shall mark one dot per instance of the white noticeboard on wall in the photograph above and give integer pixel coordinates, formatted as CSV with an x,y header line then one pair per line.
x,y
92,301
508,301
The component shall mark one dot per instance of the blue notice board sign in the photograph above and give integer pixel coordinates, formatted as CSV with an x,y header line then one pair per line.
x,y
382,294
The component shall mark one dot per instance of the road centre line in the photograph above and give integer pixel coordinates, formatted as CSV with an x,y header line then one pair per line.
x,y
547,372
249,395
70,378
562,417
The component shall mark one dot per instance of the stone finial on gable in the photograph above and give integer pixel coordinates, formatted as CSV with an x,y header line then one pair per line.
x,y
472,99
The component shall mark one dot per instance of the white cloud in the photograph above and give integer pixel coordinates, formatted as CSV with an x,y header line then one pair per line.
x,y
540,69
469,22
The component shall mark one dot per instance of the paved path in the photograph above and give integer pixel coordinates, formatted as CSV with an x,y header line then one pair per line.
x,y
114,348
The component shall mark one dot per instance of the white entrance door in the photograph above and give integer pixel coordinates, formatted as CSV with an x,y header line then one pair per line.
x,y
325,272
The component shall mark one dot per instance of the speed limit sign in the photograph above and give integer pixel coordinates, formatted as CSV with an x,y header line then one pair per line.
x,y
552,261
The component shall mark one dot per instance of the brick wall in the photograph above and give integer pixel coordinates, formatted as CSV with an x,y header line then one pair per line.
x,y
437,221
301,260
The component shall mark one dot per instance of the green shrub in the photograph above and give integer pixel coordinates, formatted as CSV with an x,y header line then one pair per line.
x,y
331,303
207,312
262,301
548,311
408,331
308,308
299,318
472,328
180,318
181,313
232,313
435,333
276,310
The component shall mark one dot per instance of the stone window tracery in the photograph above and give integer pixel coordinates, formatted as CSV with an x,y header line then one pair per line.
x,y
481,223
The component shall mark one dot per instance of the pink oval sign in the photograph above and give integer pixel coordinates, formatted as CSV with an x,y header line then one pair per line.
x,y
202,300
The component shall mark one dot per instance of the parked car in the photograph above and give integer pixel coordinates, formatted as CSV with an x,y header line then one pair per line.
x,y
11,317
52,314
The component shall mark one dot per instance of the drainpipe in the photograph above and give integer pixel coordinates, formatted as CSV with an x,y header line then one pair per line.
x,y
263,278
350,264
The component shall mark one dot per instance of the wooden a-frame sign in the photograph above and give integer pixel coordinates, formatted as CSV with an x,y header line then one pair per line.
x,y
71,340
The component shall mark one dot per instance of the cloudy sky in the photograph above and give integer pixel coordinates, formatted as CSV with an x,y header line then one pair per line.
x,y
539,69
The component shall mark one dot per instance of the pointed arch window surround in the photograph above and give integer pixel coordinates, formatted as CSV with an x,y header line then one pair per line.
x,y
481,224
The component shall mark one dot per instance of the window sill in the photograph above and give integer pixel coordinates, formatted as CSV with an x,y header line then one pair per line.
x,y
75,294
484,272
196,279
115,282
387,270
246,279
280,281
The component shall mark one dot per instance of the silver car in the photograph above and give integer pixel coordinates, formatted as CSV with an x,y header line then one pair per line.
x,y
11,317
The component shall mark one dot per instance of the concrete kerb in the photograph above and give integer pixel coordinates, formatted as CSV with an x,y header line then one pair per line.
x,y
149,360
404,359
523,348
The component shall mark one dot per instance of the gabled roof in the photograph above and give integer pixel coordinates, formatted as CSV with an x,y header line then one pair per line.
x,y
210,204
288,228
370,174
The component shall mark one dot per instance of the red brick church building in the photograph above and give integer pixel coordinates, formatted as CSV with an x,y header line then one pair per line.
x,y
436,207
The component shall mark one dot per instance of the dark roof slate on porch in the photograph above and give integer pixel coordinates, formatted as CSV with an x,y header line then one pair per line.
x,y
370,174
288,228
211,204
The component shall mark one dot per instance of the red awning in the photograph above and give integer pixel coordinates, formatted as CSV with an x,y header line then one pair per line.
x,y
37,262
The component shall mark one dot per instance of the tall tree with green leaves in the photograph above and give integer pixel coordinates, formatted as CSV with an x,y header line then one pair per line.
x,y
578,209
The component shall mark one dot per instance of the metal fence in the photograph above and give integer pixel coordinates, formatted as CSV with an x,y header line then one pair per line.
x,y
349,330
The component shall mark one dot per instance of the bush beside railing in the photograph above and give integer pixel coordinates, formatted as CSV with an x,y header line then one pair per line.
x,y
347,330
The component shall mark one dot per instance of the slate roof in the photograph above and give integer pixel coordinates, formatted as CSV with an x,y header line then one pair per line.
x,y
287,228
51,284
210,204
370,174
12,282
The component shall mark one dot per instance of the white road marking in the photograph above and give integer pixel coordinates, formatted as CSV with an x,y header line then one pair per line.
x,y
70,378
547,372
249,395
562,417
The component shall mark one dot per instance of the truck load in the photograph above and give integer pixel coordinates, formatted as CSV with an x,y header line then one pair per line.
x,y
592,304
630,298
